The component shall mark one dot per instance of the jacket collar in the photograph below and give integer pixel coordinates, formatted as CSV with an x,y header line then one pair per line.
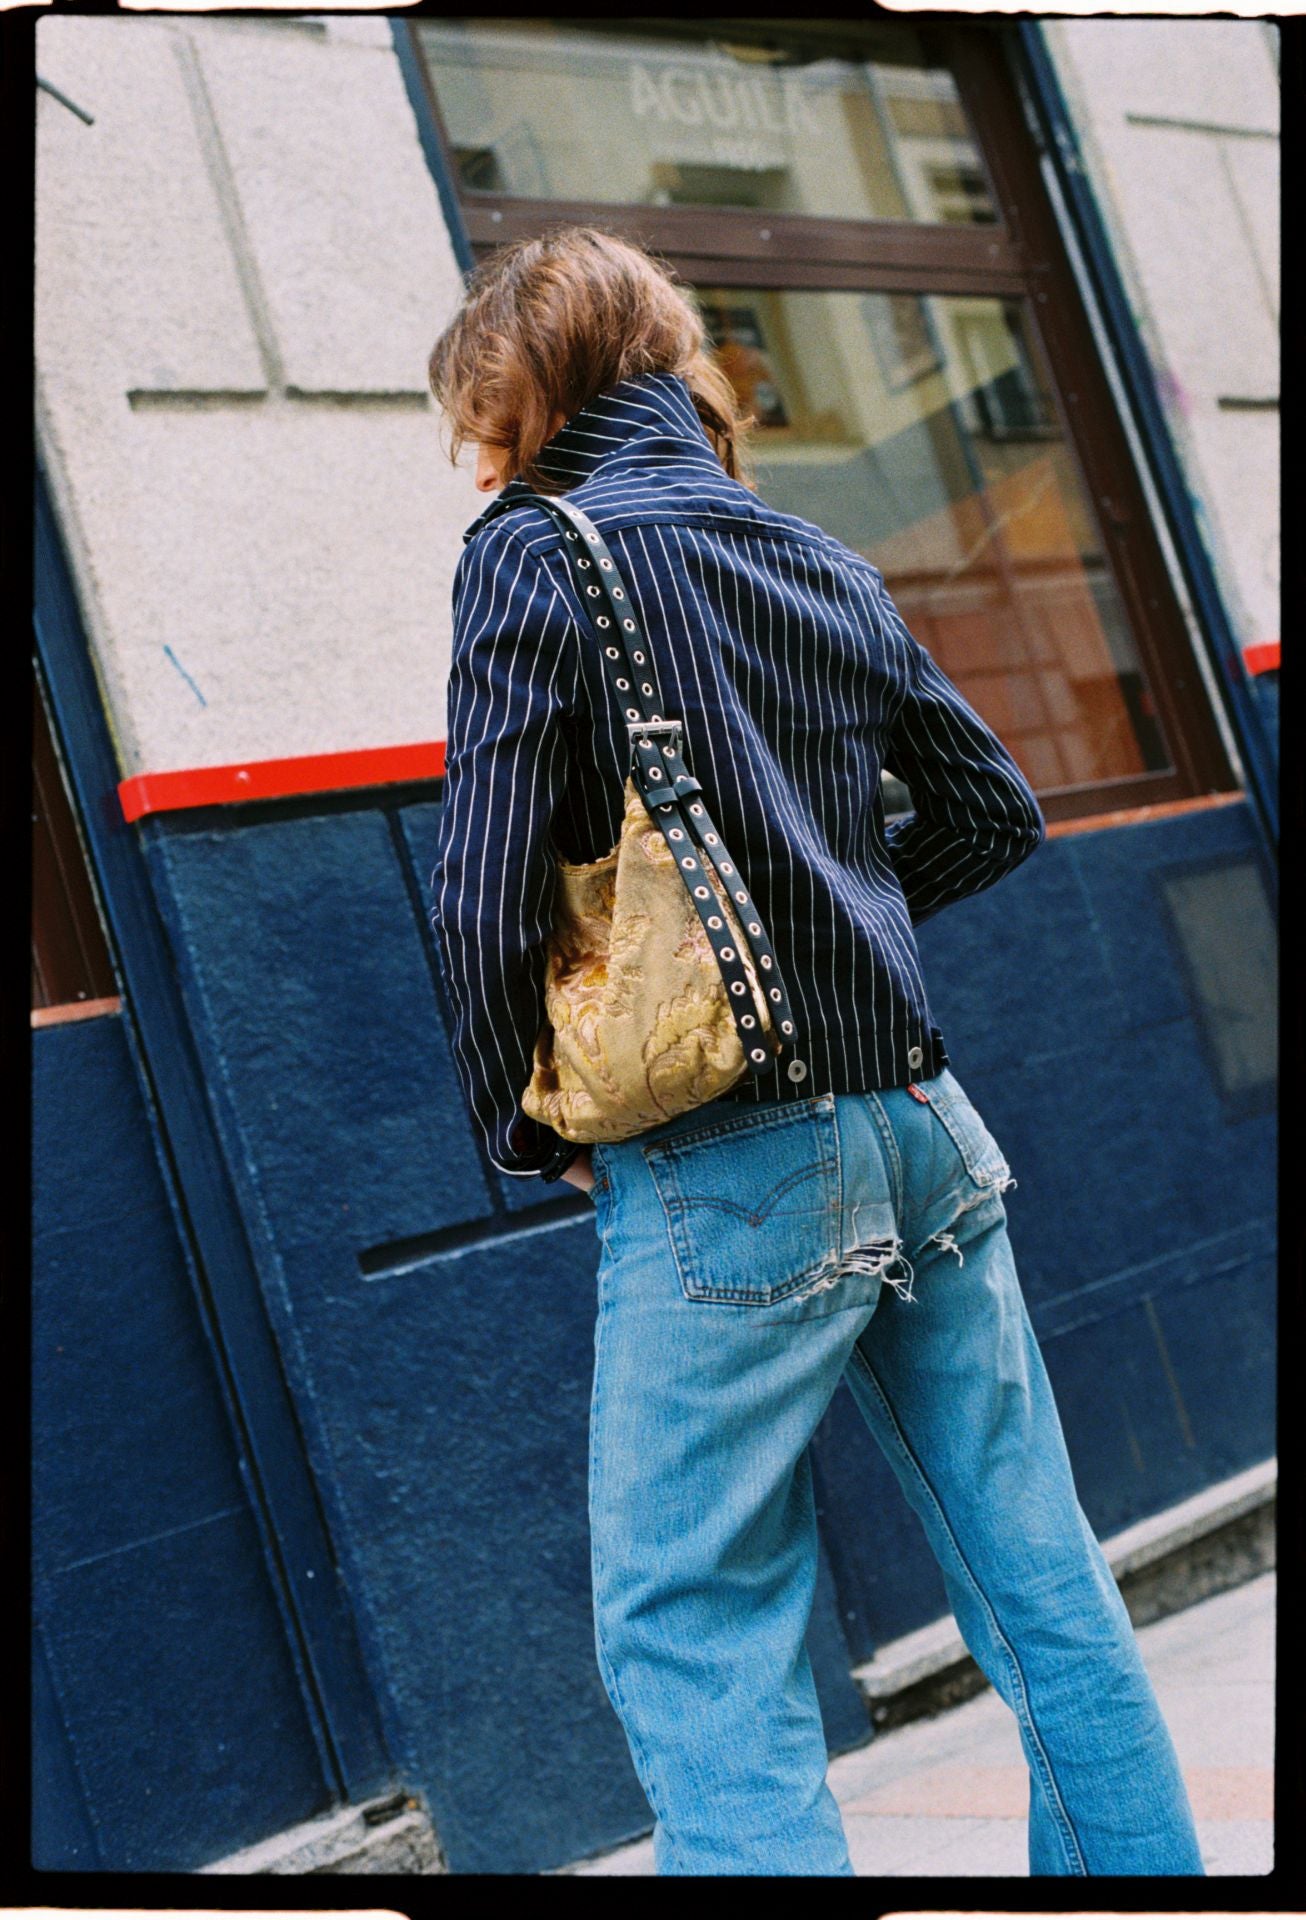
x,y
649,418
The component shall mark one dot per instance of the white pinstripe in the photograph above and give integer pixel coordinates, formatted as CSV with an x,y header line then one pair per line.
x,y
787,729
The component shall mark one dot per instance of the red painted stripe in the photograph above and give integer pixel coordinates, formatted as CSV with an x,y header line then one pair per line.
x,y
366,767
1263,657
274,779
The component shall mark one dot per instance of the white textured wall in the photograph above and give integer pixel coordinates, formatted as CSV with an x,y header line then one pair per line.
x,y
242,265
241,268
1179,123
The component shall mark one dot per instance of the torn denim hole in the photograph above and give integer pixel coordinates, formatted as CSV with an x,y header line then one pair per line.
x,y
874,1259
945,1238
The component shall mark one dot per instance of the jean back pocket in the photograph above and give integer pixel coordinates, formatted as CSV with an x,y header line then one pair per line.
x,y
980,1153
752,1203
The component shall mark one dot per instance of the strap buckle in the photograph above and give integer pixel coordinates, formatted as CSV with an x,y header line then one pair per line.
x,y
657,726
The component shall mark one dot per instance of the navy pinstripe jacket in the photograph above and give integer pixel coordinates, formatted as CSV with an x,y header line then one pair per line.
x,y
800,685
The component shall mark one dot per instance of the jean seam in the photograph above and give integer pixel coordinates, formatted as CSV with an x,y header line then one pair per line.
x,y
757,1121
1061,1818
950,1112
606,1667
890,1143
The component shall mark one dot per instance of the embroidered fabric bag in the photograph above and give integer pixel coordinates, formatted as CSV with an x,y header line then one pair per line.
x,y
661,988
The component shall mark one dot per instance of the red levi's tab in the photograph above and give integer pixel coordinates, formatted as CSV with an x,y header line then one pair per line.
x,y
916,1094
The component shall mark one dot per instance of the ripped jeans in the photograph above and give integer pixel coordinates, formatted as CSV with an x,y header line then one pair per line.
x,y
752,1256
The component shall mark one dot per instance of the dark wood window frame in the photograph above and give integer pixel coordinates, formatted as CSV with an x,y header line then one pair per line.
x,y
72,974
1021,257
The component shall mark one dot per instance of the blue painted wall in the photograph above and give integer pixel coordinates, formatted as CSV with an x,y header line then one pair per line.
x,y
1267,696
169,1726
1096,1031
436,1319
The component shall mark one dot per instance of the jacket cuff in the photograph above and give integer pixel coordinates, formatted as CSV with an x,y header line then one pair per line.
x,y
534,1141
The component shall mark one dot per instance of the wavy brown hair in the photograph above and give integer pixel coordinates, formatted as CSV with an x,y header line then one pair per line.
x,y
549,323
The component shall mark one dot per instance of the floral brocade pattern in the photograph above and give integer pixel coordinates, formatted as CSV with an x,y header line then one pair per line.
x,y
638,1024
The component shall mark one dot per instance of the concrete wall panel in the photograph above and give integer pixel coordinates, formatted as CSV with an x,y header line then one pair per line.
x,y
263,522
285,587
1254,170
338,204
1220,72
1239,453
1196,259
136,284
1178,121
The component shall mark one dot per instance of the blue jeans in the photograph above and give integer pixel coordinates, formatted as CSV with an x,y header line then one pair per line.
x,y
752,1257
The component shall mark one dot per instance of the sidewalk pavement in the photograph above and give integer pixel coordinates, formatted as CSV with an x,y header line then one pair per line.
x,y
949,1795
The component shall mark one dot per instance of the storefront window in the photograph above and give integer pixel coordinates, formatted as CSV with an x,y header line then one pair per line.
x,y
858,209
921,431
548,111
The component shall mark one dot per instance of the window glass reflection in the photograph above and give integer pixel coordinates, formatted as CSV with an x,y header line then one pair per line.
x,y
552,111
921,430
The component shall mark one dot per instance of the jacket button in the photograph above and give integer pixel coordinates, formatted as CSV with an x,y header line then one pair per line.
x,y
915,1058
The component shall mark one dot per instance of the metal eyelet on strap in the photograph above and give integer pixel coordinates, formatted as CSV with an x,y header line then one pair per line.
x,y
713,919
688,863
571,534
737,986
747,1020
759,1053
603,620
623,684
753,927
710,838
696,807
775,993
632,713
582,563
726,867
727,953
677,833
593,590
629,625
647,688
638,659
741,896
700,893
617,594
655,773
611,652
766,959
593,538
607,564
787,1025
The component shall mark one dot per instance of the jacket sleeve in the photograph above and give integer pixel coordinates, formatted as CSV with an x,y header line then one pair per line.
x,y
975,815
512,677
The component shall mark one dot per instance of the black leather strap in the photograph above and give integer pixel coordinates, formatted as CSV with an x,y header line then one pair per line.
x,y
673,797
